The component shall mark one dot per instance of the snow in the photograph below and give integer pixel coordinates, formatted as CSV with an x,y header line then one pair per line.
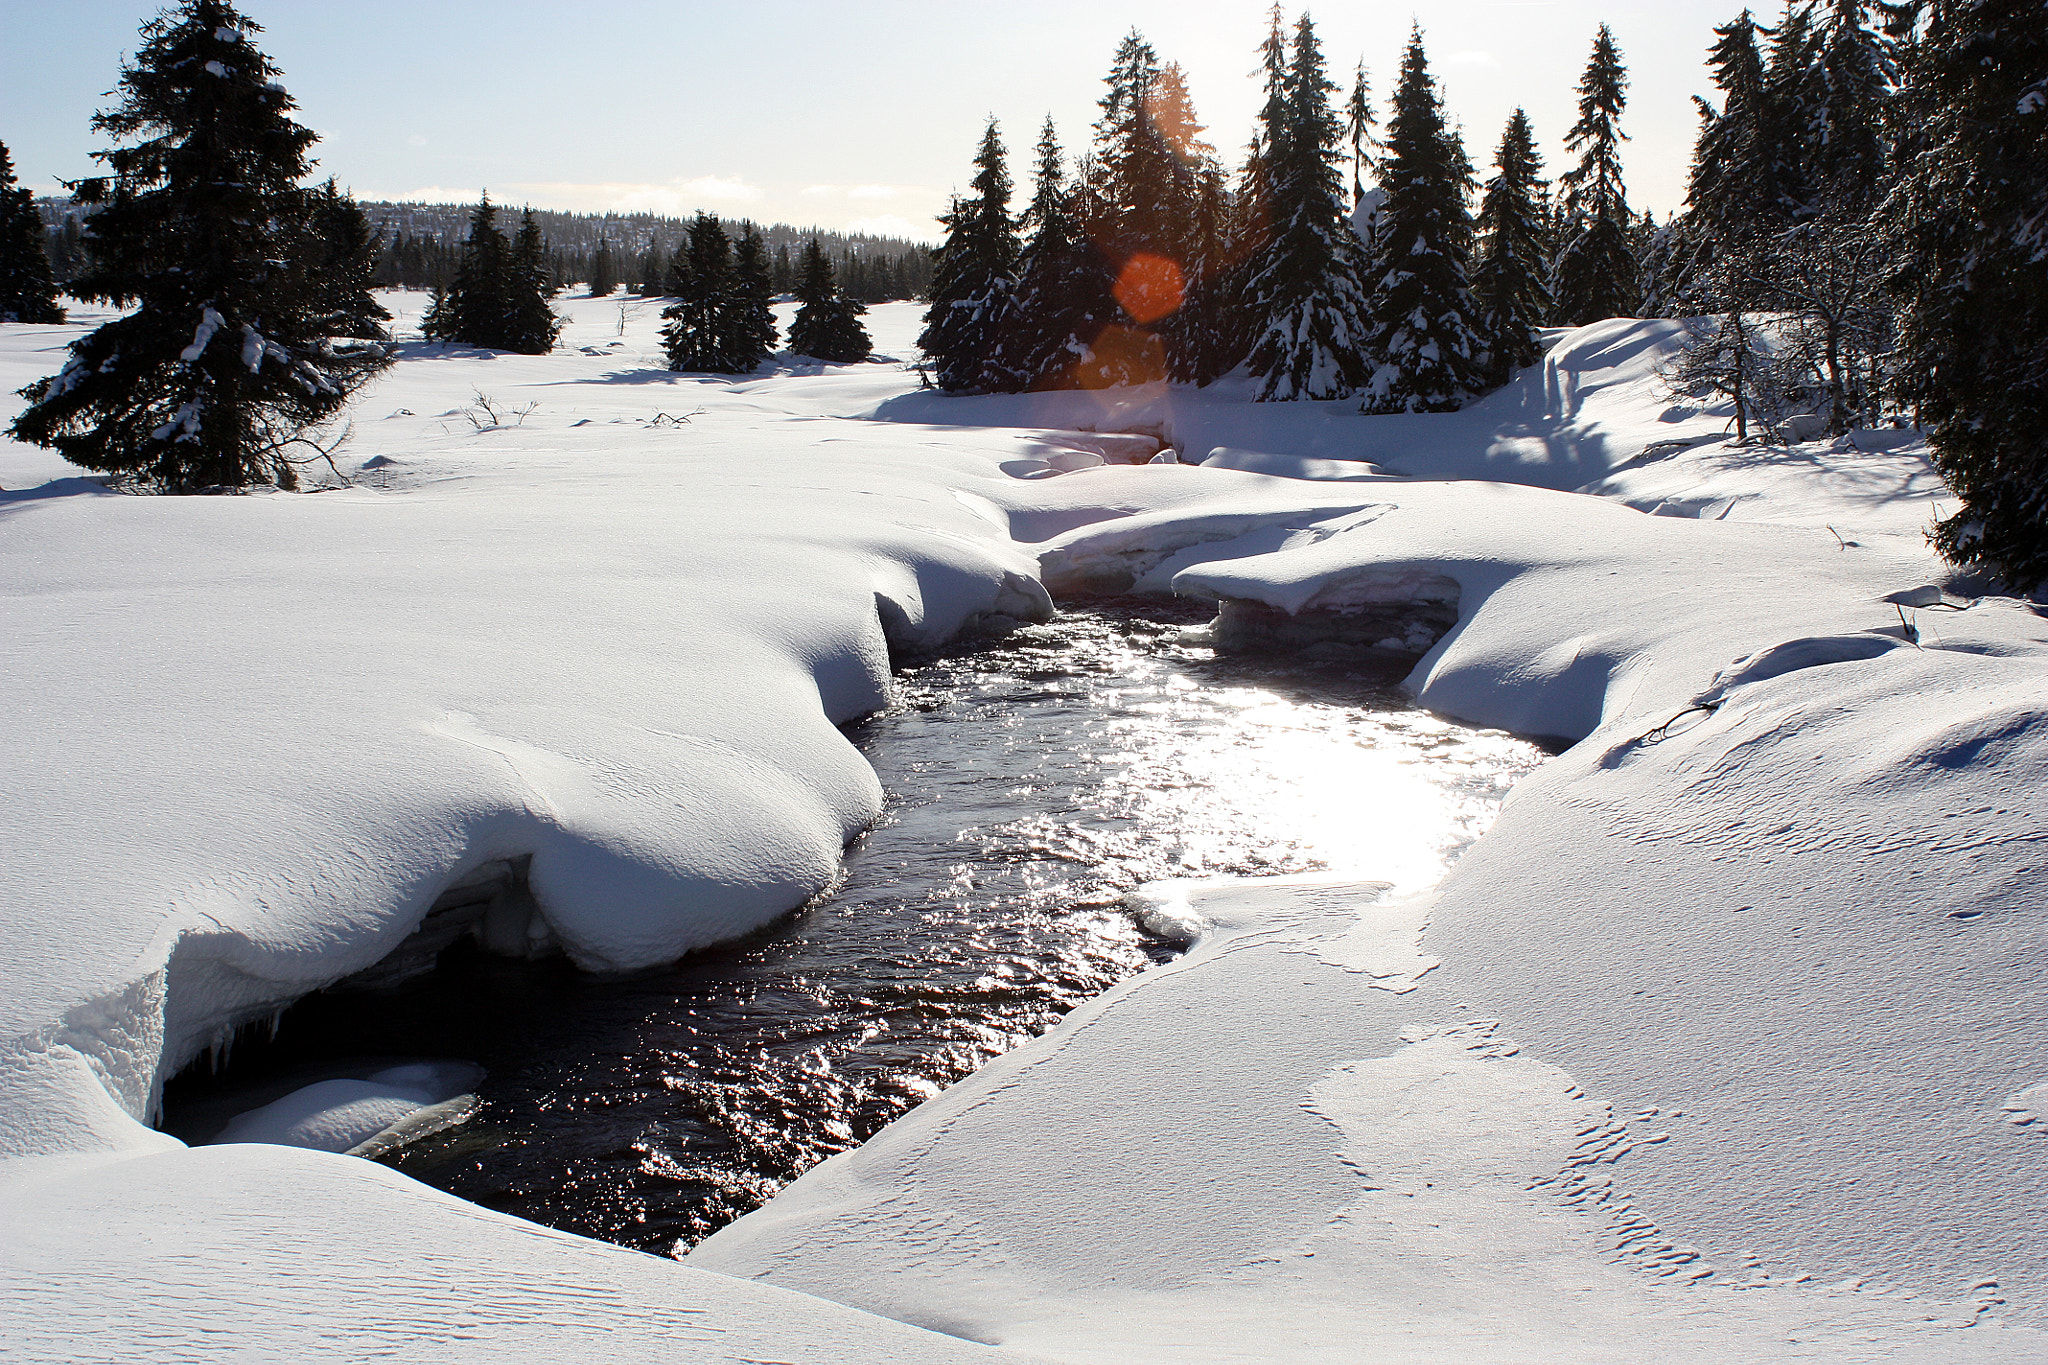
x,y
345,1114
1727,1036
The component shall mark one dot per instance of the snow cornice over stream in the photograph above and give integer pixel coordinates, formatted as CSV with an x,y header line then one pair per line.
x,y
1727,1042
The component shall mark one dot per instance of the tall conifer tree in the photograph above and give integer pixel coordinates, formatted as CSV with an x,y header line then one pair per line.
x,y
1425,344
972,278
1305,303
343,266
532,325
1734,186
1845,97
702,284
604,270
1358,125
1969,214
1062,301
1596,269
220,365
1510,280
748,330
827,325
499,295
27,291
1786,127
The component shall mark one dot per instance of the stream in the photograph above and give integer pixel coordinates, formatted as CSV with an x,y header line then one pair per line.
x,y
1032,779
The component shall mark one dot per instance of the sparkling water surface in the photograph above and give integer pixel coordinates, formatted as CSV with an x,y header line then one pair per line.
x,y
1031,779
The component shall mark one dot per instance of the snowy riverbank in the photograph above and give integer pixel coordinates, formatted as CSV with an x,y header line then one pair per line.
x,y
1771,969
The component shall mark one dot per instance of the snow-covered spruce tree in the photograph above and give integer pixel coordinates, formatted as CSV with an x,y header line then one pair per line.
x,y
1510,280
1251,234
1204,340
972,278
343,265
1844,101
1596,269
1785,124
1424,347
1974,276
747,332
1142,178
1304,299
827,325
1196,334
1062,300
219,367
701,280
28,292
1732,189
1145,159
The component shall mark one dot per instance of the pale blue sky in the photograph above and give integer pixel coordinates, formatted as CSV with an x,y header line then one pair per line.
x,y
840,115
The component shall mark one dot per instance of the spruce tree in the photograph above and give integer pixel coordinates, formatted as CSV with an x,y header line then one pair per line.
x,y
1204,339
1062,300
1424,345
1968,212
1144,178
747,332
1596,269
1732,189
532,325
1510,280
701,280
604,270
972,278
1305,301
827,325
1730,179
476,307
343,267
28,293
1139,210
1845,96
1358,125
202,231
1786,125
653,271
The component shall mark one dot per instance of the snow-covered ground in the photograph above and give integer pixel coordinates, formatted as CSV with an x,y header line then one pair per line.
x,y
1726,1042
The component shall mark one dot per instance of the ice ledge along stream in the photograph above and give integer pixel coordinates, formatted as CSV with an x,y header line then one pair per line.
x,y
1033,780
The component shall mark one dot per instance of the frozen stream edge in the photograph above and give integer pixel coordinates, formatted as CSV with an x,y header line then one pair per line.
x,y
1711,925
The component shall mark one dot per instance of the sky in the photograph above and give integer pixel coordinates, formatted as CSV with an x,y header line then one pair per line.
x,y
855,117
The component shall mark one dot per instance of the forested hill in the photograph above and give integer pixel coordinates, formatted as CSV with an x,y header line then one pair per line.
x,y
420,242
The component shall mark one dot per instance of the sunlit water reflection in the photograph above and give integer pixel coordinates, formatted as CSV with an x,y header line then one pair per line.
x,y
1031,782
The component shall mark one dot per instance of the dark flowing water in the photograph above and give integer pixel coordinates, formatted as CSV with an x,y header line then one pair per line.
x,y
1031,781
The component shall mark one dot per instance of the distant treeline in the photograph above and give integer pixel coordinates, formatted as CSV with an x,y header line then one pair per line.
x,y
422,246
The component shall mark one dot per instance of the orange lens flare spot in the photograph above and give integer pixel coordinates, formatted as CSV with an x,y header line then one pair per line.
x,y
1149,288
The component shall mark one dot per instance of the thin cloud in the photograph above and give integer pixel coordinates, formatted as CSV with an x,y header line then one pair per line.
x,y
866,192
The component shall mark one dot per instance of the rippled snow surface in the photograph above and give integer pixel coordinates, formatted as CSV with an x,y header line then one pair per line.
x,y
1031,781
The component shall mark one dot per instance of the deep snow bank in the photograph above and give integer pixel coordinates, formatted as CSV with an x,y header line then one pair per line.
x,y
1744,984
1729,1033
254,738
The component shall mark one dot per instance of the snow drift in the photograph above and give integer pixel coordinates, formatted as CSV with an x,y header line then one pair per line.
x,y
1728,1033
